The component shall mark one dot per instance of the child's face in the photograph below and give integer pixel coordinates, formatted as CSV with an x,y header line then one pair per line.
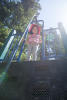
x,y
35,30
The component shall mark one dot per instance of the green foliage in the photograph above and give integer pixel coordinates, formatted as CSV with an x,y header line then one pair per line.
x,y
23,57
3,33
4,10
3,77
30,4
16,15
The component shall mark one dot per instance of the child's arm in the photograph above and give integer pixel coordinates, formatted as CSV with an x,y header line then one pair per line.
x,y
40,39
27,39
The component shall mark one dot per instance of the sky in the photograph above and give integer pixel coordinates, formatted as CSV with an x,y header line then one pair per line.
x,y
53,12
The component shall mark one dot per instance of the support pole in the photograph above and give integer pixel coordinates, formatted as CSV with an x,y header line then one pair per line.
x,y
64,36
43,42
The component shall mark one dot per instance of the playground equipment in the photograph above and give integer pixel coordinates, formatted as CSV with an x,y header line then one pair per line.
x,y
37,80
7,44
54,47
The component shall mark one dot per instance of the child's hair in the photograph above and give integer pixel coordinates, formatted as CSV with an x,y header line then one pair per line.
x,y
31,28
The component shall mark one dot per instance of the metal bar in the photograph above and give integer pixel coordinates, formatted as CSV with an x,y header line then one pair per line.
x,y
9,49
43,43
25,37
63,35
49,43
54,47
15,51
1,50
15,46
22,47
7,45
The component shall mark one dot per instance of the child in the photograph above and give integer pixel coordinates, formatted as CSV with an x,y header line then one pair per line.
x,y
34,39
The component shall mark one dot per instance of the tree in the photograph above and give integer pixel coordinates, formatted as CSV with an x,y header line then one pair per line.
x,y
16,15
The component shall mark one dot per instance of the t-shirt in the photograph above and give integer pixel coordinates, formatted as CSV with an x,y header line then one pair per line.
x,y
34,38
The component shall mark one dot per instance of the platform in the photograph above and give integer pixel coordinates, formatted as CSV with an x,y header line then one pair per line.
x,y
40,80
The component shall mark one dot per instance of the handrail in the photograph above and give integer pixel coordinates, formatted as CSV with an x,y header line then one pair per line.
x,y
6,45
15,50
